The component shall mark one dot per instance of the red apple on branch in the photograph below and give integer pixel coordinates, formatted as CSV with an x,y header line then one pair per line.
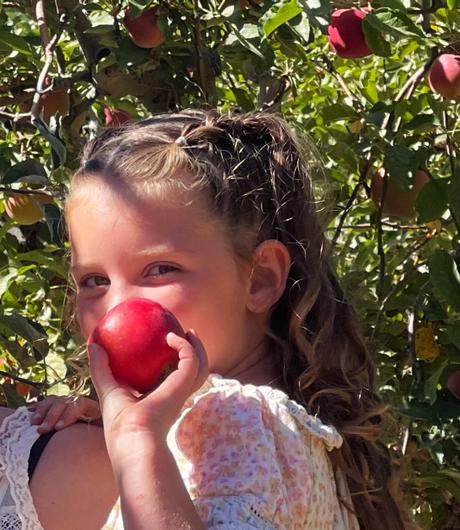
x,y
397,203
444,76
115,117
346,35
133,334
144,29
453,383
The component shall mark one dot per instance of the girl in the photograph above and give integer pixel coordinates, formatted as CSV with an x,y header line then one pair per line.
x,y
271,420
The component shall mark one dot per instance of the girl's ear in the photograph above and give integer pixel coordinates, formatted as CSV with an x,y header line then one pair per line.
x,y
270,269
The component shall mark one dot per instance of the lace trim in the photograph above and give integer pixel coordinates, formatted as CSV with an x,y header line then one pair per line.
x,y
17,436
232,513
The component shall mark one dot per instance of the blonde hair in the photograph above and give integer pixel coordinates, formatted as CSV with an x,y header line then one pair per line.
x,y
254,172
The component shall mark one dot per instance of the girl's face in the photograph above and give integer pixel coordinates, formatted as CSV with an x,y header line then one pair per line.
x,y
170,253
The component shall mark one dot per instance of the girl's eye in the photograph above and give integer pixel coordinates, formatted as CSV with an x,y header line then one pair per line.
x,y
98,281
161,269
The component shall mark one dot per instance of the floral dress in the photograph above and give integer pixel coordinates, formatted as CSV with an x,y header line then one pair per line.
x,y
250,458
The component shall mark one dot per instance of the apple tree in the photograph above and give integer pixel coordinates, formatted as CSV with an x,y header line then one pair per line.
x,y
374,85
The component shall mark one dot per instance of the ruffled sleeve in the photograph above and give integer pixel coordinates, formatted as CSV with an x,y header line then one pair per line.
x,y
253,459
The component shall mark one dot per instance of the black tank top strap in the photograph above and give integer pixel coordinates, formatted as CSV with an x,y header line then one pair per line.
x,y
37,449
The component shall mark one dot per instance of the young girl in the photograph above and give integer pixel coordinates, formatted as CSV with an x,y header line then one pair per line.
x,y
271,420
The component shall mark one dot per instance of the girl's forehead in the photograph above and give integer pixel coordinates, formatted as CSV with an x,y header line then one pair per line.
x,y
167,194
96,210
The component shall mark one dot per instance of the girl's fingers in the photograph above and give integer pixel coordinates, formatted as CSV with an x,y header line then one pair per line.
x,y
191,371
203,371
53,414
106,385
101,375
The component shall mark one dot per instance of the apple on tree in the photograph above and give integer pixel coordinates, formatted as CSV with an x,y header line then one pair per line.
x,y
144,30
444,76
397,203
115,117
133,334
346,35
453,383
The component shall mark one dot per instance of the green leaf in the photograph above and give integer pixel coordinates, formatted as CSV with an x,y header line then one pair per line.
x,y
445,277
5,281
401,164
431,202
278,14
13,399
25,328
23,169
242,40
47,259
451,4
137,6
443,482
318,11
339,111
440,410
431,383
12,42
394,22
375,40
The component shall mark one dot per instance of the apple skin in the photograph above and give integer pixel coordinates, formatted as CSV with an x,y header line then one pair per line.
x,y
51,103
346,35
133,334
26,209
444,76
453,383
398,204
115,117
144,29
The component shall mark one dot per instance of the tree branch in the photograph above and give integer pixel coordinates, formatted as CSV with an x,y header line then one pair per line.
x,y
350,201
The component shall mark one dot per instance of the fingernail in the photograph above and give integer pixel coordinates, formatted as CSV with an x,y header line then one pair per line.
x,y
59,424
36,416
44,425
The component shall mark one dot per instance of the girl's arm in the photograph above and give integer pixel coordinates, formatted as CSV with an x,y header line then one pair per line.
x,y
73,485
152,493
151,489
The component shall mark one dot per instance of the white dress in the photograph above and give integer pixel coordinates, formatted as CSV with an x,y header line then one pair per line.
x,y
250,458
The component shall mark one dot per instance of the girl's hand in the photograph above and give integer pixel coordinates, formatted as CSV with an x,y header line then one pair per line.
x,y
127,416
58,412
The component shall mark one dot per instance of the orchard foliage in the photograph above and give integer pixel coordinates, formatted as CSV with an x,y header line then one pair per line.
x,y
70,67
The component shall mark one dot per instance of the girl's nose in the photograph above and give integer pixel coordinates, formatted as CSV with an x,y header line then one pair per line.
x,y
121,295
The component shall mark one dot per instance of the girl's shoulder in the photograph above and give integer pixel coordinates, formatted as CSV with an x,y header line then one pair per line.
x,y
231,403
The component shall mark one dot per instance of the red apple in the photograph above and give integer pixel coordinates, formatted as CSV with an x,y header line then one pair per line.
x,y
144,29
399,204
346,35
453,384
51,103
444,76
133,334
115,117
